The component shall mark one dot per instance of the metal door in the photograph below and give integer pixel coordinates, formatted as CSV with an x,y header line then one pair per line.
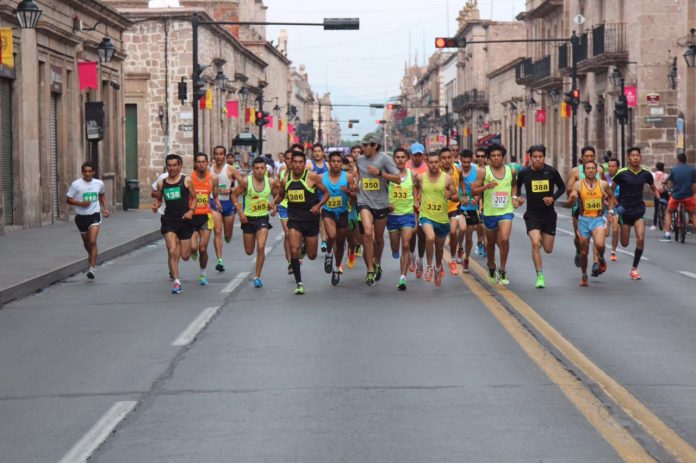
x,y
6,177
55,207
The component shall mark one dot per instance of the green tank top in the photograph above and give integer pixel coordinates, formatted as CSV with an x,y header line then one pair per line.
x,y
256,202
434,202
498,201
401,195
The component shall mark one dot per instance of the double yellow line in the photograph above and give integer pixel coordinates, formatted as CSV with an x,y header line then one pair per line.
x,y
574,389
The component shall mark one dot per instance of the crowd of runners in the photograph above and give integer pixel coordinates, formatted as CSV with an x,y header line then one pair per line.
x,y
340,205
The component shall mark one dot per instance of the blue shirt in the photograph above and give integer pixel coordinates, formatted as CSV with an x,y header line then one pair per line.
x,y
682,177
335,193
469,181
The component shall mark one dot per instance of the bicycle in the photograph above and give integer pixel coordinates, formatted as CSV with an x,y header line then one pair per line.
x,y
661,205
679,223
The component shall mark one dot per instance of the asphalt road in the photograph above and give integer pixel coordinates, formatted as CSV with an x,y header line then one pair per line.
x,y
105,369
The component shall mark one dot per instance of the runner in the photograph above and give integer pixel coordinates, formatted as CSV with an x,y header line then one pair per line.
x,y
303,212
498,184
482,160
417,165
376,169
543,186
659,179
456,219
433,190
87,195
683,181
205,185
592,192
223,219
283,208
258,191
319,166
155,194
613,225
354,234
631,207
469,207
401,221
177,192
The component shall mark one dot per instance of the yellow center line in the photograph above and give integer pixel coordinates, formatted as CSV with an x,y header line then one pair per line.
x,y
577,392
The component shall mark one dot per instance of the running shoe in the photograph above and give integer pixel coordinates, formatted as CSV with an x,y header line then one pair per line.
x,y
442,272
419,269
453,268
465,264
328,263
492,276
584,281
412,264
299,290
351,259
340,269
479,249
177,289
540,283
378,272
258,283
90,273
402,284
335,278
429,273
653,227
460,256
396,255
502,278
577,259
220,265
370,278
602,266
358,251
634,275
484,253
202,280
290,269
323,246
438,276
194,254
595,270
613,256
666,238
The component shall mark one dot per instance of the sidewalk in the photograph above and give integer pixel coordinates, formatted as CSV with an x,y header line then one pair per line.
x,y
38,257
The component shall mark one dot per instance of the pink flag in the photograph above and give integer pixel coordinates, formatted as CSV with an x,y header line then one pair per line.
x,y
291,129
87,73
631,93
232,109
270,122
541,116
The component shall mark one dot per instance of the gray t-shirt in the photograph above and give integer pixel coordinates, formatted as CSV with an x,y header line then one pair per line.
x,y
374,190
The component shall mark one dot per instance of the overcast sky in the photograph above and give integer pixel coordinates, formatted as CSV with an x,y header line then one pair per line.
x,y
365,66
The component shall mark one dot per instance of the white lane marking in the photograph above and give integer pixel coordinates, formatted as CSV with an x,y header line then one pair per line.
x,y
567,232
563,216
191,331
688,274
236,281
631,254
96,436
279,237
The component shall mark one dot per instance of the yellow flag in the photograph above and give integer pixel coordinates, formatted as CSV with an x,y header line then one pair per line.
x,y
208,99
6,57
281,125
563,110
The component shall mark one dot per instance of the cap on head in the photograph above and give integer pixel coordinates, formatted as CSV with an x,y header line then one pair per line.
x,y
417,148
374,139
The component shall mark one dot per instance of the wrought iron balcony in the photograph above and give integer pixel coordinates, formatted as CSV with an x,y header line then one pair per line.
x,y
609,47
541,69
523,71
473,99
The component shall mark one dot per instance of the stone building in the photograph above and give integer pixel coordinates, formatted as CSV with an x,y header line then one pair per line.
x,y
406,131
42,110
301,101
328,130
505,99
430,97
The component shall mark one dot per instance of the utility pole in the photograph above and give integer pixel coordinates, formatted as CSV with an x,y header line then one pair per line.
x,y
575,41
319,132
260,100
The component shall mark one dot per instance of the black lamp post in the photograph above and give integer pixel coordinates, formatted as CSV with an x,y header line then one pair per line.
x,y
555,96
28,14
587,106
106,50
621,109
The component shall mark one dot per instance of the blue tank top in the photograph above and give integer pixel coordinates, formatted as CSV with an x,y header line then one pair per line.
x,y
319,170
469,181
338,199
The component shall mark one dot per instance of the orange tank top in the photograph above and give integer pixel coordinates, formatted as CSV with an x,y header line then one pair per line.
x,y
203,190
591,203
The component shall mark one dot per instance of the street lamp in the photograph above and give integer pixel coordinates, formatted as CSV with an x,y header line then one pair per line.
x,y
276,111
28,14
555,96
221,79
588,106
690,53
616,77
531,103
244,96
106,50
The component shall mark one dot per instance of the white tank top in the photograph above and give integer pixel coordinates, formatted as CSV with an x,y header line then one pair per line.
x,y
224,181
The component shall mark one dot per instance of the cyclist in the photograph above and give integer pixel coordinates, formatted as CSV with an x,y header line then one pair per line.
x,y
683,181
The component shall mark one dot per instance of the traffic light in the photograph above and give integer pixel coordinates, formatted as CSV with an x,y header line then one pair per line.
x,y
199,88
392,106
261,118
381,121
573,97
450,42
621,108
183,91
350,125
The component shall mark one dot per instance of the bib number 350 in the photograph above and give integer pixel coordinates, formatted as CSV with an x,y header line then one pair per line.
x,y
370,184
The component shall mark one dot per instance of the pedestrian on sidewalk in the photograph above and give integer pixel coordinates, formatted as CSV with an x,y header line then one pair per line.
x,y
87,195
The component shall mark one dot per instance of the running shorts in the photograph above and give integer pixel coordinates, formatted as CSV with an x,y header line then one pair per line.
x,y
83,222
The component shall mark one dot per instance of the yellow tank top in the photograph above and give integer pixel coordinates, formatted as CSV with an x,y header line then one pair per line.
x,y
434,201
591,204
453,206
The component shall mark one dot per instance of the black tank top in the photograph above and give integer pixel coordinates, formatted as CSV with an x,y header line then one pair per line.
x,y
176,198
301,198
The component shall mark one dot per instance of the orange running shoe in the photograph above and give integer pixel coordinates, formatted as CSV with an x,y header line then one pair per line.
x,y
419,270
351,260
453,268
613,256
583,281
412,264
634,275
438,276
429,273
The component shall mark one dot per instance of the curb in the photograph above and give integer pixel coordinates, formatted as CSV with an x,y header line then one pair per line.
x,y
31,285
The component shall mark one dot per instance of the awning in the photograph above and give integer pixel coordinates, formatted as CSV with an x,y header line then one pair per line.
x,y
490,139
245,139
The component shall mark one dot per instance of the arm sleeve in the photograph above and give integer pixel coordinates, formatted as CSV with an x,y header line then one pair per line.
x,y
102,190
561,186
72,191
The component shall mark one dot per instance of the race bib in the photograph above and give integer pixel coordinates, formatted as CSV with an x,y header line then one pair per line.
x,y
201,199
172,193
594,204
370,184
222,186
500,199
399,193
335,202
433,207
540,186
90,196
260,206
296,196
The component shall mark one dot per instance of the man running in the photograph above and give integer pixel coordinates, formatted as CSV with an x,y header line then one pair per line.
x,y
258,191
376,169
683,182
417,165
205,186
631,209
543,186
319,166
456,219
223,219
481,159
401,221
283,208
87,195
469,207
341,188
177,192
592,193
498,184
304,206
434,189
613,225
354,235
